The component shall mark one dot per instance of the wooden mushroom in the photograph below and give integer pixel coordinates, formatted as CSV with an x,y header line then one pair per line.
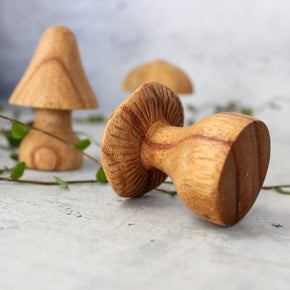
x,y
217,165
159,71
54,83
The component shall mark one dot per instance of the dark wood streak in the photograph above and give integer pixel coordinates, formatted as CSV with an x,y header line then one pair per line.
x,y
135,120
45,61
258,150
119,170
234,154
125,176
166,146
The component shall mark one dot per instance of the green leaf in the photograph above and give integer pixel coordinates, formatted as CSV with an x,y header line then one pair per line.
x,y
101,176
14,156
282,191
248,111
190,122
18,171
91,119
274,106
18,131
83,144
97,119
60,181
173,193
13,142
192,108
219,109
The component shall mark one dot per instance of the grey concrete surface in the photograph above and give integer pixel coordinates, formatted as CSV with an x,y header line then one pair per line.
x,y
87,237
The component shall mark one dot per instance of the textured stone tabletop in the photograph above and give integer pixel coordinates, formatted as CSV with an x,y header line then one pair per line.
x,y
87,237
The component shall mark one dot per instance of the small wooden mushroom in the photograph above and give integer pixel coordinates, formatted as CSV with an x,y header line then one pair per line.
x,y
217,165
54,83
158,71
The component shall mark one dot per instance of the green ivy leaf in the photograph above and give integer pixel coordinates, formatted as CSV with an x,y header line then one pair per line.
x,y
192,108
18,131
14,156
101,176
248,111
97,119
83,144
61,182
282,191
91,119
18,171
219,109
172,193
13,142
190,122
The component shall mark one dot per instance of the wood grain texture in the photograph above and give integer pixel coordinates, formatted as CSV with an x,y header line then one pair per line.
x,y
158,71
217,165
55,78
43,152
54,83
124,134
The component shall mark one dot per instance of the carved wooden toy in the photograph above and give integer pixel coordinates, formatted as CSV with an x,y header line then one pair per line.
x,y
54,83
159,71
217,165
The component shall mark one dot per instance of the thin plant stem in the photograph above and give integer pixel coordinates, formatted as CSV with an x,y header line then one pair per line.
x,y
6,169
90,137
172,192
168,182
47,182
263,187
275,186
7,148
51,135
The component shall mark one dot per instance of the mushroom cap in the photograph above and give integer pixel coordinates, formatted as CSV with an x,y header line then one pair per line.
x,y
159,71
55,78
125,131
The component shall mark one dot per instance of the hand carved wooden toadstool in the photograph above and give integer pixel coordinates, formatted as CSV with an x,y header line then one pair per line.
x,y
158,71
217,165
54,83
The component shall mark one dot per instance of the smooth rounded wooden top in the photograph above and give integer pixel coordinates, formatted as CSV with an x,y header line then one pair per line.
x,y
159,71
55,78
125,131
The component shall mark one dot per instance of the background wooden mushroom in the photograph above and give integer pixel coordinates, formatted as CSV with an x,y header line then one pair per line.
x,y
54,83
159,71
217,165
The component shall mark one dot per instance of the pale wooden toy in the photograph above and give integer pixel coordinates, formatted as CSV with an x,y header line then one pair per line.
x,y
217,165
54,83
158,71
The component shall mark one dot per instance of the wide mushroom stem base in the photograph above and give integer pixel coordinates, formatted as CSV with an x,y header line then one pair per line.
x,y
217,165
40,151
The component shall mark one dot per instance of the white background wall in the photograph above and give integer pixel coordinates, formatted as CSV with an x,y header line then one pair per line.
x,y
231,49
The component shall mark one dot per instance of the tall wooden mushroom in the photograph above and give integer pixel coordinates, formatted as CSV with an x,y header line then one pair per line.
x,y
54,83
158,71
217,165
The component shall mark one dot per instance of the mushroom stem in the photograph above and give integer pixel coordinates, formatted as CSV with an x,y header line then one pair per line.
x,y
58,122
217,165
42,152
